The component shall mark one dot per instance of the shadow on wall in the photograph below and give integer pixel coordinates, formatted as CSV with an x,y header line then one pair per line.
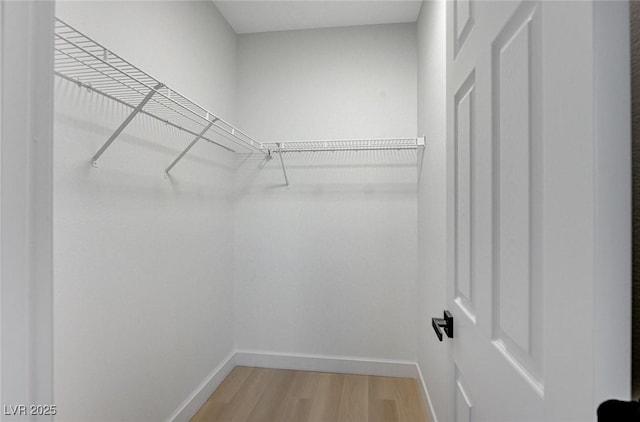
x,y
341,173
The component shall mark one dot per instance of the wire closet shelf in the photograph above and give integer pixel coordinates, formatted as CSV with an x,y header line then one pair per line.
x,y
88,64
347,145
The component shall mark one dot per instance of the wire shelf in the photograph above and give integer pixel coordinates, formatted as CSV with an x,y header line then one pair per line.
x,y
347,145
85,62
88,64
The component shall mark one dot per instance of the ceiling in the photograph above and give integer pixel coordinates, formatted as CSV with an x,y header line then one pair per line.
x,y
266,15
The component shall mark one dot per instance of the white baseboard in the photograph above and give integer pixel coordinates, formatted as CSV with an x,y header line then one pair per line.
x,y
199,396
301,362
431,412
323,363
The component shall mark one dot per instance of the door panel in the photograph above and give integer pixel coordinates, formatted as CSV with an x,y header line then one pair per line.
x,y
529,121
464,109
463,407
516,85
494,80
463,21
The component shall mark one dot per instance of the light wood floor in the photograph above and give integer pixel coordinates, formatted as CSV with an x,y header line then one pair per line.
x,y
275,395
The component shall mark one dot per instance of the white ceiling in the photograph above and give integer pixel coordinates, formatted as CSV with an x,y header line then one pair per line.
x,y
267,15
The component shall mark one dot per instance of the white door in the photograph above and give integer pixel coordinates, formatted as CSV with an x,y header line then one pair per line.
x,y
522,224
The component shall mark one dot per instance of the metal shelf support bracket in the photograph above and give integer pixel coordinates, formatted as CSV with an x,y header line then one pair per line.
x,y
94,160
420,142
183,153
284,170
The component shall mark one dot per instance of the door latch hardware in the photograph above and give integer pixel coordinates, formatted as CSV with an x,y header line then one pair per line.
x,y
440,324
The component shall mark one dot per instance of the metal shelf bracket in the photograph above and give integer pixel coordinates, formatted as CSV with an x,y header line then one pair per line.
x,y
183,153
420,142
94,160
284,170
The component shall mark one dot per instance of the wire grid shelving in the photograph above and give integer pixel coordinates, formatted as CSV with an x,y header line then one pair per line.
x,y
347,145
85,62
338,145
88,64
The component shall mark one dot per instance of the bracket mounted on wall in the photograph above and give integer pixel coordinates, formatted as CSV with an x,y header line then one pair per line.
x,y
422,141
184,152
145,100
284,170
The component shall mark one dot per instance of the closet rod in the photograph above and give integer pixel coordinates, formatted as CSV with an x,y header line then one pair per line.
x,y
87,63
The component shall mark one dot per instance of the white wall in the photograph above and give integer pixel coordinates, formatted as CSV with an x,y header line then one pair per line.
x,y
328,265
143,265
26,133
434,357
339,82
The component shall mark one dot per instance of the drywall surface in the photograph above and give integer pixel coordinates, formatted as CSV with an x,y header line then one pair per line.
x,y
327,266
434,357
143,272
328,83
26,227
